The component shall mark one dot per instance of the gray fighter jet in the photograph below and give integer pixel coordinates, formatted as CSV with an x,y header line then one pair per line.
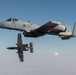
x,y
34,30
21,47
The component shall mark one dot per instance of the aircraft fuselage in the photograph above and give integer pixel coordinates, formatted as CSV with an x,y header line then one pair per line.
x,y
28,26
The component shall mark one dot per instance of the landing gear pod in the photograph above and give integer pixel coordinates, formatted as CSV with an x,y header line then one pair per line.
x,y
31,47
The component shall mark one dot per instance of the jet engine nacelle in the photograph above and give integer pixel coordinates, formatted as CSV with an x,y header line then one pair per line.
x,y
64,37
26,47
65,34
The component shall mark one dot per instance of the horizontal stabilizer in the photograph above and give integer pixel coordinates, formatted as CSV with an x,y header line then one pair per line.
x,y
74,30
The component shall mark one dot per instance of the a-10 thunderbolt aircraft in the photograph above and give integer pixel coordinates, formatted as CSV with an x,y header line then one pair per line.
x,y
21,47
34,30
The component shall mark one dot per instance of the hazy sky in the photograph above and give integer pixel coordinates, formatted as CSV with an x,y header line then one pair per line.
x,y
39,12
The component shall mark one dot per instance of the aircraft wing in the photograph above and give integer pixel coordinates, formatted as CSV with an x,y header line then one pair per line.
x,y
19,39
47,27
20,47
20,55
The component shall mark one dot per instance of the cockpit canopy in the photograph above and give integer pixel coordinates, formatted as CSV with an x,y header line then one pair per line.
x,y
12,19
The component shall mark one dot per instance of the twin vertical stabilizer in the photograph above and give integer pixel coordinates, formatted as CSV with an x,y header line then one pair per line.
x,y
74,30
